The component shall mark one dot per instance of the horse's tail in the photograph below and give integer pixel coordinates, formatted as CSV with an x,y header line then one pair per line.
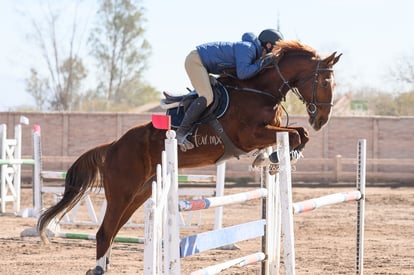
x,y
85,172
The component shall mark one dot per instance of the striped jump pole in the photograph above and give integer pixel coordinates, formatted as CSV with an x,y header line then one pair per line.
x,y
312,204
85,236
213,202
16,161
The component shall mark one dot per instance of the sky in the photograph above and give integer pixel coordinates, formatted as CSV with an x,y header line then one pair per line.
x,y
372,35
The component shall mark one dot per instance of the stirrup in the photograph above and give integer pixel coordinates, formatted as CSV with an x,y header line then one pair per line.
x,y
185,144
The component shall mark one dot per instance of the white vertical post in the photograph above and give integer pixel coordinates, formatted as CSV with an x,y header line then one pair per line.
x,y
360,186
172,261
286,202
37,168
220,178
151,240
272,230
17,167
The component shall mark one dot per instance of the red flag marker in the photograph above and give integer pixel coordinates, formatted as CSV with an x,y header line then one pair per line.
x,y
36,128
162,122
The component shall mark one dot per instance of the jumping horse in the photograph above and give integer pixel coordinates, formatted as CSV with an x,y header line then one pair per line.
x,y
126,167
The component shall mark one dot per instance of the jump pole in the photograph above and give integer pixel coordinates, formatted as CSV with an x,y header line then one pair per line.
x,y
286,206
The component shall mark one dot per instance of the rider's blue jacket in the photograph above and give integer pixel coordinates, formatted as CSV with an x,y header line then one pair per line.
x,y
243,55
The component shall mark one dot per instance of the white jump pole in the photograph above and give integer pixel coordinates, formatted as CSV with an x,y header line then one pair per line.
x,y
271,239
171,237
220,178
37,168
286,202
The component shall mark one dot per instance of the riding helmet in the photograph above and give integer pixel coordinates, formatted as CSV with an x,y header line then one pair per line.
x,y
270,35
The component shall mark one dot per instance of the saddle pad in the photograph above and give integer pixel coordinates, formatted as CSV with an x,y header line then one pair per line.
x,y
220,105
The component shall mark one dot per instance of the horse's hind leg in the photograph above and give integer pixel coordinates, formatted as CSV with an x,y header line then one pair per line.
x,y
139,199
117,213
106,234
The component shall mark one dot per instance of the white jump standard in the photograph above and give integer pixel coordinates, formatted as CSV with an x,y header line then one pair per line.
x,y
164,249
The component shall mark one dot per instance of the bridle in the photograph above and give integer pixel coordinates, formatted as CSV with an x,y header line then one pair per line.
x,y
312,105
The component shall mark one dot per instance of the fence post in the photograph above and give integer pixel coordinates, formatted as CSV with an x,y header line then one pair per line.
x,y
286,201
338,167
360,185
173,239
18,167
37,168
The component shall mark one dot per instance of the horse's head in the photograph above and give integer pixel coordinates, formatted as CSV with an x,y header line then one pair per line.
x,y
310,77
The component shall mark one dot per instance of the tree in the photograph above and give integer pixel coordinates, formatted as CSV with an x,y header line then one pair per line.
x,y
405,102
65,69
294,105
404,70
72,72
38,88
120,50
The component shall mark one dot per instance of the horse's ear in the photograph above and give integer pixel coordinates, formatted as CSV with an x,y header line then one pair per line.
x,y
332,59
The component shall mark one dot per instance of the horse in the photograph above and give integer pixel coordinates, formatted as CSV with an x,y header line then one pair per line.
x,y
126,167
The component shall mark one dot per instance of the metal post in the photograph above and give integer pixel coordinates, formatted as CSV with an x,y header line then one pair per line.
x,y
360,186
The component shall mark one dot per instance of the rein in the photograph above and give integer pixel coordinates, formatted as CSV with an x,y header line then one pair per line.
x,y
251,90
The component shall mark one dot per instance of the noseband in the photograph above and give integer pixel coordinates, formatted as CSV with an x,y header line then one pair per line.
x,y
312,105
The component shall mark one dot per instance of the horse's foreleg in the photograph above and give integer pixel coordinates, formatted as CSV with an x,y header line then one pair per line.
x,y
304,137
294,136
267,137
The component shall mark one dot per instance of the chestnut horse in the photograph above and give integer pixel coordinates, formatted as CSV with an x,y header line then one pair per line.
x,y
126,167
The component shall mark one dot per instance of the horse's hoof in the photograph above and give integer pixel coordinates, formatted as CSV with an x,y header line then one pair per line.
x,y
295,155
261,160
96,271
274,158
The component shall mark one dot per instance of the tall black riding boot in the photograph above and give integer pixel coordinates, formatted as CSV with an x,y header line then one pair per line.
x,y
193,112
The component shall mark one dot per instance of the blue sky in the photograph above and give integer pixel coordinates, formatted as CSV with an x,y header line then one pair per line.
x,y
371,34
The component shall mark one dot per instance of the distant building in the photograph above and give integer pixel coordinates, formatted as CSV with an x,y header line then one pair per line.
x,y
347,106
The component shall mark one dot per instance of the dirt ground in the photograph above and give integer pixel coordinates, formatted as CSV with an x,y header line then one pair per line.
x,y
324,239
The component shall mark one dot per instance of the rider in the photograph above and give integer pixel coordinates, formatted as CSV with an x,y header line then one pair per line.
x,y
215,58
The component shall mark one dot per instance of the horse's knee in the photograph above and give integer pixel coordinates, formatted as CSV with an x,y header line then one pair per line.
x,y
299,138
304,135
294,139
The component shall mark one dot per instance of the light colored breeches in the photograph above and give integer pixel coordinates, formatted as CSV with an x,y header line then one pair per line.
x,y
199,76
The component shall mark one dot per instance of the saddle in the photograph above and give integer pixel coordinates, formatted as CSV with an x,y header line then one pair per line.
x,y
176,106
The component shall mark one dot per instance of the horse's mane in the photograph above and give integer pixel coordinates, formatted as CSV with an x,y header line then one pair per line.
x,y
286,46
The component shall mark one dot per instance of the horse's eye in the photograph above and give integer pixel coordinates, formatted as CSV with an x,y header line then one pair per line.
x,y
325,84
